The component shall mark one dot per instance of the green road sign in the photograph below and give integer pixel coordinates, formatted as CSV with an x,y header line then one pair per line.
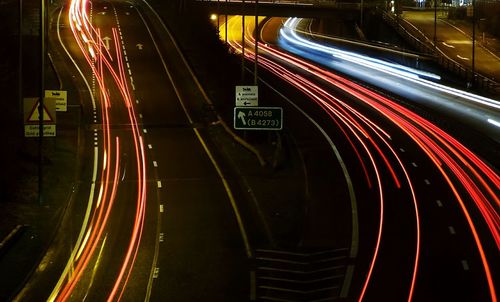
x,y
258,118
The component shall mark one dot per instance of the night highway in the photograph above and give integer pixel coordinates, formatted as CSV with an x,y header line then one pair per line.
x,y
416,240
380,184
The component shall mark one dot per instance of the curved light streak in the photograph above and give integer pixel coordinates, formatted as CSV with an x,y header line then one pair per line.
x,y
452,159
100,61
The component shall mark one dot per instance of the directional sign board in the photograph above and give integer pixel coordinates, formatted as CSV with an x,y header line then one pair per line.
x,y
32,117
247,96
258,118
61,98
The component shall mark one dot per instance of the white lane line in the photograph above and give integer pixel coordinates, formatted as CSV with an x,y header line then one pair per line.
x,y
427,182
159,183
156,272
452,230
414,164
402,150
465,265
137,101
439,203
140,115
150,146
128,65
155,163
126,58
162,237
161,208
463,58
95,138
129,72
448,45
145,130
492,121
133,86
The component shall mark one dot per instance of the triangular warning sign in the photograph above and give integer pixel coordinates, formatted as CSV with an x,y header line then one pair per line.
x,y
34,116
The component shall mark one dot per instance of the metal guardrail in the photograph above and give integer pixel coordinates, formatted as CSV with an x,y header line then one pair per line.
x,y
421,42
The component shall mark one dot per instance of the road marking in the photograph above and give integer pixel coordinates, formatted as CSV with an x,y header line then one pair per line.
x,y
150,146
140,115
253,287
159,183
492,121
452,230
133,86
460,42
129,72
156,272
462,58
137,101
161,208
427,182
95,138
145,130
162,236
402,150
95,133
439,203
128,65
155,163
465,265
448,45
414,164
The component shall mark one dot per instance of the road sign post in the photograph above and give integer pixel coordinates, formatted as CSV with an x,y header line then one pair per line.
x,y
258,118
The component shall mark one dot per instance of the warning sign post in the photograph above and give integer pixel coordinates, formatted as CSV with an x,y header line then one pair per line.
x,y
32,117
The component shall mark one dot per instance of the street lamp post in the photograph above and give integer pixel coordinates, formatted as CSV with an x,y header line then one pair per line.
x,y
473,41
435,24
255,78
41,103
243,41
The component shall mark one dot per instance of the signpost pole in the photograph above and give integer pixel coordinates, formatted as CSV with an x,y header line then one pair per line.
x,y
243,41
41,105
473,42
255,78
20,61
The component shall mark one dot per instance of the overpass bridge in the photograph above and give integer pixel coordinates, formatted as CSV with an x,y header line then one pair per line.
x,y
287,8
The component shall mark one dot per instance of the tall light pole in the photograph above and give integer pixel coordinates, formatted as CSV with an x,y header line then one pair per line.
x,y
225,26
242,41
40,103
435,24
473,41
255,78
20,63
361,15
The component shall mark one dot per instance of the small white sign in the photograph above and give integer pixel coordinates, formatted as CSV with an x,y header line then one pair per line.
x,y
247,96
61,98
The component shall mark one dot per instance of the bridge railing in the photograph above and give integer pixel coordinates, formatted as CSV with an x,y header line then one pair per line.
x,y
421,42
